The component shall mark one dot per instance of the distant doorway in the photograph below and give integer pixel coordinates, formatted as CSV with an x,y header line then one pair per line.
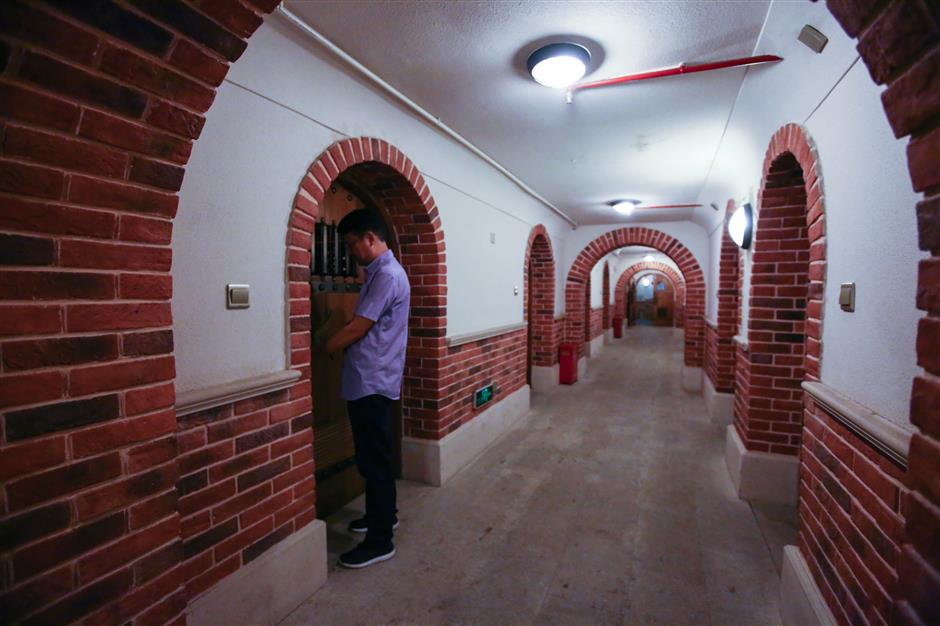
x,y
653,301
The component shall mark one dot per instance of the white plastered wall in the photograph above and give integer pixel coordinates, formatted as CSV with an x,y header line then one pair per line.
x,y
282,104
868,355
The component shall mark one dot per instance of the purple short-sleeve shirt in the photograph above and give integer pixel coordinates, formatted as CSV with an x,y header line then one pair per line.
x,y
375,364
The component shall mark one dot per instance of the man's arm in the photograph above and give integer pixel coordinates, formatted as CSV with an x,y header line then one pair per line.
x,y
349,334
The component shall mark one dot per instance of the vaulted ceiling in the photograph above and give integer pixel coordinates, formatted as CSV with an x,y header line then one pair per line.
x,y
465,63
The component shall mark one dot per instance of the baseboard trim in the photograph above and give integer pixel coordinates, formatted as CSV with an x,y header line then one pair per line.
x,y
720,405
761,476
544,378
436,462
593,347
266,590
801,601
582,367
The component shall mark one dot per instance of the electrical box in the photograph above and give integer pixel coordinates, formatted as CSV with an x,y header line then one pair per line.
x,y
813,39
236,296
847,297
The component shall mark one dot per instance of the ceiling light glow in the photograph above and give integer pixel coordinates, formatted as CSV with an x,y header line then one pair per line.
x,y
741,226
624,207
558,65
646,282
648,258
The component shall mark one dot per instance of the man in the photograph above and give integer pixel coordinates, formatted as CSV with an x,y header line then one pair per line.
x,y
374,362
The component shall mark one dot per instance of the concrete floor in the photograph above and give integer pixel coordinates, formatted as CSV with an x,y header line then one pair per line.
x,y
609,504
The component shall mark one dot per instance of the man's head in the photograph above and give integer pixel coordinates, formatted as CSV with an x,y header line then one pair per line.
x,y
365,233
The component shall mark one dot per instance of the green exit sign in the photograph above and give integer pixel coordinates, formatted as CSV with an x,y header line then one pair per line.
x,y
482,396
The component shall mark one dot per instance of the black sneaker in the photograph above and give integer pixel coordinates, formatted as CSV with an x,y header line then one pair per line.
x,y
365,555
360,525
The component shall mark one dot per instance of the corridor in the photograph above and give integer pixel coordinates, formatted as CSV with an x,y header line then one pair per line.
x,y
608,503
595,278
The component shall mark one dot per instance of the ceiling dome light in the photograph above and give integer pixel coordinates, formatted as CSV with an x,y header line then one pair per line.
x,y
741,226
624,207
647,281
648,258
558,65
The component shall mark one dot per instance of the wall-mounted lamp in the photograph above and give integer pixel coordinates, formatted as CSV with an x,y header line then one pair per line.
x,y
558,65
624,207
741,226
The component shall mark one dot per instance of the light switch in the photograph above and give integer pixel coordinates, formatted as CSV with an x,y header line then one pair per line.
x,y
236,296
515,290
847,297
813,39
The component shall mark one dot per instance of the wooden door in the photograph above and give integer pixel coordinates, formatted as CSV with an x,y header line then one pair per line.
x,y
333,301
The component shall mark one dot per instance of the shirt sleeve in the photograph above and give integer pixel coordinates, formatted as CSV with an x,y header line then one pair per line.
x,y
377,298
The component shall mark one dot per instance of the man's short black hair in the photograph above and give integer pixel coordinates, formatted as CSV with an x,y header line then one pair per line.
x,y
361,221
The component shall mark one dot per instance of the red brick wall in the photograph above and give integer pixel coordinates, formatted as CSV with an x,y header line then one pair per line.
x,y
625,281
597,322
605,295
851,519
720,351
499,361
99,106
898,43
785,307
246,481
560,326
580,274
540,257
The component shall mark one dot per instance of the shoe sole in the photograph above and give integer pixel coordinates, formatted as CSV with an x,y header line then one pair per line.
x,y
377,559
365,530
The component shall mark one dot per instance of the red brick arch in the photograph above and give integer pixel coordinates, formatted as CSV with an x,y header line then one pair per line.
x,y
580,273
540,256
620,295
394,180
785,308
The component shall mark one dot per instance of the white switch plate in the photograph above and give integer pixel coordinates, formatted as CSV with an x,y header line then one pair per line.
x,y
237,296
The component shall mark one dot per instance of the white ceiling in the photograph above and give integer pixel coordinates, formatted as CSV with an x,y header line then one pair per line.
x,y
465,63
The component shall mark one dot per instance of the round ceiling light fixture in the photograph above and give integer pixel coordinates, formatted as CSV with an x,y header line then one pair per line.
x,y
624,207
741,226
648,258
558,65
646,281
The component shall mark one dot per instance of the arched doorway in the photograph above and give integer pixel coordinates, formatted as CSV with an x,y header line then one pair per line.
x,y
784,326
539,311
654,301
577,296
624,294
350,174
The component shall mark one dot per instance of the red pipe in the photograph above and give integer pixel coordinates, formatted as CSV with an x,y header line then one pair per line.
x,y
667,206
682,68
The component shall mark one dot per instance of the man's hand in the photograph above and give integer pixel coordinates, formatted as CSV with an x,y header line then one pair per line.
x,y
349,334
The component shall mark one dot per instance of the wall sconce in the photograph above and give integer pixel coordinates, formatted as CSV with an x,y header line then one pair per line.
x,y
741,226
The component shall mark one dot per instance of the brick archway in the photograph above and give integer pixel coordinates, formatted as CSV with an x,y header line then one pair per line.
x,y
787,286
605,294
540,263
720,355
620,295
580,273
395,181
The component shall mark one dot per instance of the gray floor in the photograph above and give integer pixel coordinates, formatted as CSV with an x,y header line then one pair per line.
x,y
608,504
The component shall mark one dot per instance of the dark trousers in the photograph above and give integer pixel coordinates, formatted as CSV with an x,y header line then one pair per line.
x,y
371,419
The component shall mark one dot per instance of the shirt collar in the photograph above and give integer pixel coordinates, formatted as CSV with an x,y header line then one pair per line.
x,y
378,262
